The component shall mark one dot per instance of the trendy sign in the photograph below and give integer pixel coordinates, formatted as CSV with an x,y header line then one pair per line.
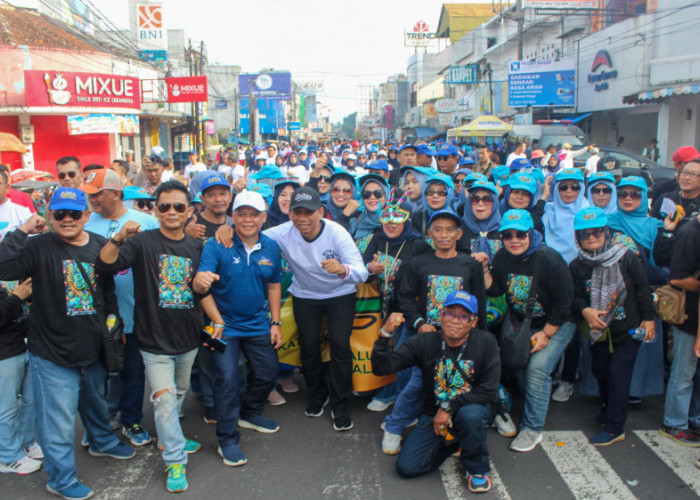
x,y
419,36
542,83
93,90
187,89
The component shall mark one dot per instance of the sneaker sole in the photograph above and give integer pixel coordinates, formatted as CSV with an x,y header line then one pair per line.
x,y
229,462
621,437
508,434
93,453
209,421
678,441
277,403
19,473
529,448
178,491
480,490
316,415
391,452
341,429
244,424
51,490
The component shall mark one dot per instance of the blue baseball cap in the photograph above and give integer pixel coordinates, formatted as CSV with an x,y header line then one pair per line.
x,y
264,191
68,199
590,217
488,186
569,174
475,177
467,160
443,178
519,163
406,146
448,149
445,213
378,165
462,298
634,181
500,173
283,183
524,182
136,193
517,219
267,172
214,180
424,149
600,177
193,152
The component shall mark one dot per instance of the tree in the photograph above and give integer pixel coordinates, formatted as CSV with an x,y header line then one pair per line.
x,y
348,126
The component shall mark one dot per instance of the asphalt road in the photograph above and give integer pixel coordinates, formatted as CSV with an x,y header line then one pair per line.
x,y
306,459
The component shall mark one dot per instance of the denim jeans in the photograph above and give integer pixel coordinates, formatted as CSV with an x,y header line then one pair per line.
x,y
424,451
408,404
263,364
340,314
207,374
17,413
125,389
169,373
538,378
60,392
682,404
391,391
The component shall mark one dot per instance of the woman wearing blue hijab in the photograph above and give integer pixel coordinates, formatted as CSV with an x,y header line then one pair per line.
x,y
413,182
482,219
558,220
521,193
460,199
438,193
342,205
374,191
279,208
602,192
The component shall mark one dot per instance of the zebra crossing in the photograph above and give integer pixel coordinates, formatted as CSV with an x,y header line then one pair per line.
x,y
586,471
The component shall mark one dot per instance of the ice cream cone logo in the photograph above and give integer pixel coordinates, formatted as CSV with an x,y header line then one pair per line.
x,y
56,89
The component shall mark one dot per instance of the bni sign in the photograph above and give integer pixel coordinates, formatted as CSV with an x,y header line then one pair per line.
x,y
150,32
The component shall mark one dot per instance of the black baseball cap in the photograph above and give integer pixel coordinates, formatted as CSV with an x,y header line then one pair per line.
x,y
305,197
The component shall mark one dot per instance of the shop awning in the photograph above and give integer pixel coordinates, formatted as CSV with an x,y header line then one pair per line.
x,y
423,132
576,119
659,94
483,126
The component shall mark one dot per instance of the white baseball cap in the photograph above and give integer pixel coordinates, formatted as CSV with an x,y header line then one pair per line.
x,y
249,199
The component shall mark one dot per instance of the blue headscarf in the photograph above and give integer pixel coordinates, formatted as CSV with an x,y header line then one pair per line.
x,y
481,228
608,180
422,174
439,179
637,225
559,217
368,221
409,233
332,209
521,220
521,181
326,197
461,199
275,217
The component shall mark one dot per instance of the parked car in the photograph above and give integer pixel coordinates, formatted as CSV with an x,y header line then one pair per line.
x,y
542,135
631,164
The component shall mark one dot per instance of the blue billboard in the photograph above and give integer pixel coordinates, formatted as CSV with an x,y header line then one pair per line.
x,y
273,85
542,83
270,116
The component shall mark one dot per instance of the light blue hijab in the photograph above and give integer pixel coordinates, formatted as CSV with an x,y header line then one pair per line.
x,y
558,217
422,174
439,179
637,225
608,180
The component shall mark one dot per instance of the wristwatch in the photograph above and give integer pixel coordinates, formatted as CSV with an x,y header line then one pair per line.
x,y
418,323
276,323
116,242
446,406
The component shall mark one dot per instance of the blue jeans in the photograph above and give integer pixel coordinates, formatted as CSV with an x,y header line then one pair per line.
x,y
17,414
424,451
683,389
207,374
408,405
263,364
390,391
169,375
125,389
60,392
538,378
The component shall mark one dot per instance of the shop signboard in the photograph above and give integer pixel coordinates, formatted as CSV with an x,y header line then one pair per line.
x,y
462,74
560,4
419,35
187,89
273,85
446,106
92,90
542,83
294,126
150,32
103,123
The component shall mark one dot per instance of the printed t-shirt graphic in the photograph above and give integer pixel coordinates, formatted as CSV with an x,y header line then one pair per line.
x,y
175,274
78,296
439,287
518,291
449,382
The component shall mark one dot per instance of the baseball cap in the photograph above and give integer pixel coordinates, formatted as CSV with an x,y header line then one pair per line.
x,y
600,177
462,298
517,219
634,181
406,146
569,174
488,186
685,154
305,197
136,193
264,190
448,149
214,180
445,214
68,199
424,149
519,163
249,199
381,152
589,218
378,165
466,161
351,156
537,153
103,178
524,182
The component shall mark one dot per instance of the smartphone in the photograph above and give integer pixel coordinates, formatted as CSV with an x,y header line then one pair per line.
x,y
216,344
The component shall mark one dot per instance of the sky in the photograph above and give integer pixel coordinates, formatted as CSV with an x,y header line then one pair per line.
x,y
342,44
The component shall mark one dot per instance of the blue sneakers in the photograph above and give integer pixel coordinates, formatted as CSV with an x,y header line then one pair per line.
x,y
479,483
120,451
190,446
259,423
605,438
138,436
176,480
232,455
76,491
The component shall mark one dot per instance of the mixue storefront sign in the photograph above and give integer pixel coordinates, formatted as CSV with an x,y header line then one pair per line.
x,y
67,89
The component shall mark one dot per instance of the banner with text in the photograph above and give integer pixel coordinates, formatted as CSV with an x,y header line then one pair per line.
x,y
542,83
277,85
151,36
187,89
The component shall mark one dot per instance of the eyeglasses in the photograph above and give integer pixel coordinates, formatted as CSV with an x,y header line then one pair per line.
x,y
509,235
377,193
165,207
324,178
71,175
73,214
113,227
569,187
462,318
432,192
144,204
635,195
342,190
486,199
603,190
442,157
689,174
593,233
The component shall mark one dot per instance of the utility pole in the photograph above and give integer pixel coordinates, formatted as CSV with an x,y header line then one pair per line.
x,y
252,112
519,17
200,105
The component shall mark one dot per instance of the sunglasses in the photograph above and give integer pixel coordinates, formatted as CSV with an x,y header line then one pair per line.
x,y
324,178
442,157
486,199
342,190
463,318
509,235
71,175
569,187
593,233
604,190
144,204
635,195
377,193
165,207
432,192
73,214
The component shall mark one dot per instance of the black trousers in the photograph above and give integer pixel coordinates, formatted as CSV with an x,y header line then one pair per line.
x,y
339,313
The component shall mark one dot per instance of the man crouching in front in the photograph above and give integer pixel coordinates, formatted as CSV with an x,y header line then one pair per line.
x,y
461,371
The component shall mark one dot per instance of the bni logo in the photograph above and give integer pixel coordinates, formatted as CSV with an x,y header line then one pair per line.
x,y
515,66
150,16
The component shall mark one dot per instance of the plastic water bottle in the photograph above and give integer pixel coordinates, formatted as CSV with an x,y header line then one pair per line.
x,y
638,334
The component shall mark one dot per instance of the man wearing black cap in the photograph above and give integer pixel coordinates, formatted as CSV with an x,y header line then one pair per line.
x,y
327,265
406,157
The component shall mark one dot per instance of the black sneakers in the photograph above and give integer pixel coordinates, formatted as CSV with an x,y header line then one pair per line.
x,y
315,408
341,420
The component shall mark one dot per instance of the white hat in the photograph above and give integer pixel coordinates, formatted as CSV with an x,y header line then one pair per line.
x,y
261,157
249,199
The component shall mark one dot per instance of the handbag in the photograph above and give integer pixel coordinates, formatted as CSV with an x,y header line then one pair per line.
x,y
515,334
111,345
669,303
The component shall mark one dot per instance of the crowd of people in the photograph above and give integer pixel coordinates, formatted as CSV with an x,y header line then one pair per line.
x,y
499,273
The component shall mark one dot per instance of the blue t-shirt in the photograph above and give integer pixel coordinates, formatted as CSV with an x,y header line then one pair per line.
x,y
241,291
124,281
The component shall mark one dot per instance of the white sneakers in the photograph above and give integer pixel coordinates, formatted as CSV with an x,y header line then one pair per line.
x,y
34,451
377,405
505,426
563,392
24,465
391,443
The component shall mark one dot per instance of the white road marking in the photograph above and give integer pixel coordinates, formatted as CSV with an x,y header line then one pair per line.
x,y
585,471
680,459
455,484
134,474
